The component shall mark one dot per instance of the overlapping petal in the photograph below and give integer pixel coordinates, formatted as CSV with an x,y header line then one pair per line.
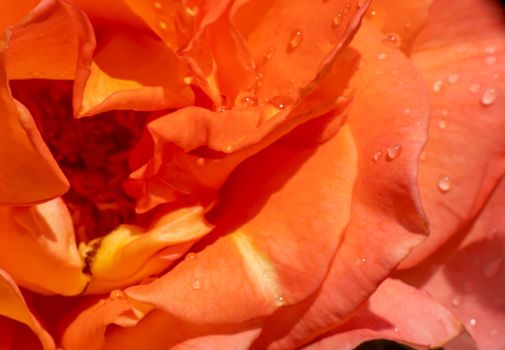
x,y
12,12
465,155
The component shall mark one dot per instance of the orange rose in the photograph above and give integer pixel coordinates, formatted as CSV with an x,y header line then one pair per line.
x,y
251,174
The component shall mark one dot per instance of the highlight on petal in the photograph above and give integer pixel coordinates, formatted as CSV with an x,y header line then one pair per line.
x,y
28,172
130,254
397,312
400,21
13,306
467,274
387,221
37,248
131,70
279,226
465,68
48,42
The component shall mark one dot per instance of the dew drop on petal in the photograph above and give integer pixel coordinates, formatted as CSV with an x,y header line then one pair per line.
x,y
407,111
393,152
474,88
437,85
492,268
117,294
442,124
163,25
453,79
187,80
445,112
279,301
196,285
396,329
280,102
491,60
337,20
190,257
472,322
488,96
377,156
382,56
456,301
157,5
444,184
295,41
248,100
269,54
192,10
373,13
392,40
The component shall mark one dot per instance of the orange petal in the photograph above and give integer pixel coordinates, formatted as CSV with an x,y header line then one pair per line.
x,y
392,312
400,21
467,274
12,12
28,172
47,43
284,223
38,248
464,67
387,219
13,306
131,70
130,254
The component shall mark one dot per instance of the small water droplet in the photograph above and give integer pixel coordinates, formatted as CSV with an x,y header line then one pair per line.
x,y
474,88
445,112
337,20
472,322
190,256
117,294
192,10
377,156
196,285
490,49
363,260
382,56
228,149
453,79
437,85
248,100
347,8
488,96
157,5
163,25
408,25
187,79
491,60
392,40
444,184
396,329
442,124
281,102
456,301
407,111
393,152
295,41
269,54
279,301
491,269
373,13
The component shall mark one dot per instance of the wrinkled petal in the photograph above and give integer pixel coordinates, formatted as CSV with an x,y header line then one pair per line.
x,y
132,70
387,220
464,157
48,42
402,18
468,274
28,172
282,227
129,253
393,312
37,248
13,306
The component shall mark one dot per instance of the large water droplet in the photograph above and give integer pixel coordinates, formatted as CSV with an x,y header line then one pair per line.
x,y
377,156
392,40
281,102
196,285
295,41
491,268
453,79
437,85
489,96
444,184
393,152
337,20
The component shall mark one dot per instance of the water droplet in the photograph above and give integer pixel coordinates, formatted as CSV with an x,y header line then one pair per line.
x,y
187,79
377,156
196,285
163,25
491,60
295,41
190,256
192,10
474,88
396,329
407,111
116,294
392,40
269,54
488,96
337,20
442,124
472,322
444,184
279,301
437,85
228,149
453,79
445,112
382,56
373,13
157,5
248,100
393,152
347,8
281,102
456,301
491,269
363,260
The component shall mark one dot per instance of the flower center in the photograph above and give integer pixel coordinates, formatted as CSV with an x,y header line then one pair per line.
x,y
92,152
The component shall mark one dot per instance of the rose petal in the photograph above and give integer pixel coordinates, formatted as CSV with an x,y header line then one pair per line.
x,y
13,306
47,43
394,312
37,248
131,70
23,154
467,274
456,178
13,11
299,208
402,18
387,220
